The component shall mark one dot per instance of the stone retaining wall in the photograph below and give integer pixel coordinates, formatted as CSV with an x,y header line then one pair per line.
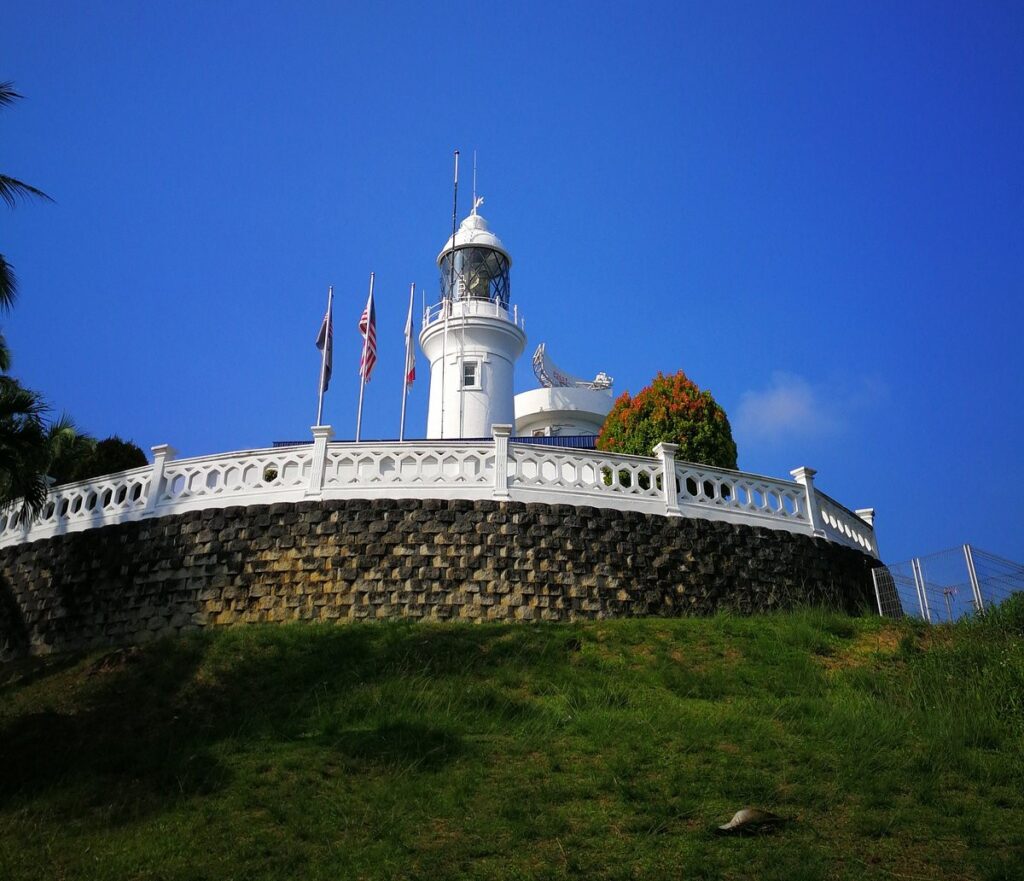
x,y
404,558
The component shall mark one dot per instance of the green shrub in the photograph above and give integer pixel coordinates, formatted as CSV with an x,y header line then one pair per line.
x,y
109,456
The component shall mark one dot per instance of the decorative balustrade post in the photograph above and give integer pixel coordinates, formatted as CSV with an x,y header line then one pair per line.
x,y
322,435
867,515
501,434
667,454
162,454
805,476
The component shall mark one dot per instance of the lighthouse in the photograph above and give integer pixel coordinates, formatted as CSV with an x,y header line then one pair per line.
x,y
472,336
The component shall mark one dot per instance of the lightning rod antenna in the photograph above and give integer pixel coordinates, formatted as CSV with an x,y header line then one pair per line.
x,y
447,300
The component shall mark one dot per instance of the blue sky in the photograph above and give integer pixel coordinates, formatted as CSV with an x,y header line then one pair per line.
x,y
815,210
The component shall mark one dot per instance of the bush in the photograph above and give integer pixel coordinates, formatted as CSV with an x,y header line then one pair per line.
x,y
112,454
672,409
107,456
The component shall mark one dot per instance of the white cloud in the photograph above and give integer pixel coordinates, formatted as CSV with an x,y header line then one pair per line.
x,y
791,407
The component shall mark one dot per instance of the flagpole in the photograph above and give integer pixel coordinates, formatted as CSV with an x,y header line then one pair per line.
x,y
362,363
323,358
405,372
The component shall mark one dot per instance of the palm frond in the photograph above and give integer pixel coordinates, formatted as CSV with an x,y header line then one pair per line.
x,y
11,189
8,285
24,451
7,94
5,355
70,449
18,402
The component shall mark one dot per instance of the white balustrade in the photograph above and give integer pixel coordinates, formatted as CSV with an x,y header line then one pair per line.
x,y
586,477
844,526
440,469
234,476
444,470
75,506
737,497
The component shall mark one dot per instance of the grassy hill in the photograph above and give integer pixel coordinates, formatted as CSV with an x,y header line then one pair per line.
x,y
598,750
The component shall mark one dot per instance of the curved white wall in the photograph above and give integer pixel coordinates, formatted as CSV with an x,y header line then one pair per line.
x,y
563,411
482,332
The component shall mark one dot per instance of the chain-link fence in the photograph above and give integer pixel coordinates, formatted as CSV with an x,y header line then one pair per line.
x,y
947,585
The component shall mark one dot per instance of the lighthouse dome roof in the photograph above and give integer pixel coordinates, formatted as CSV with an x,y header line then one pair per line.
x,y
474,232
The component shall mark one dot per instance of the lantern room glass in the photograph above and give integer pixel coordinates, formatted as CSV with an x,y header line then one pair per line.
x,y
480,274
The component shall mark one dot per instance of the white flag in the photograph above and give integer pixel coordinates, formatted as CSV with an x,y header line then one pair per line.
x,y
410,351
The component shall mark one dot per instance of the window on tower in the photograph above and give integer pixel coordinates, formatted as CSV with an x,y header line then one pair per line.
x,y
471,374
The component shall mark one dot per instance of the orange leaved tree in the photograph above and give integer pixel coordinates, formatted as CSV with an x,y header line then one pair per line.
x,y
672,409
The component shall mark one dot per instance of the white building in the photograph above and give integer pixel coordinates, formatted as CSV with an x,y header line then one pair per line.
x,y
472,338
564,405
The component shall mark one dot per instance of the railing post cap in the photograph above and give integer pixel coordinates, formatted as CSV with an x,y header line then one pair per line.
x,y
326,431
803,473
867,515
503,430
665,449
164,450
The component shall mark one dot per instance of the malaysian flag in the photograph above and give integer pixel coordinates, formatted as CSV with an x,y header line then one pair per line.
x,y
325,340
368,329
410,352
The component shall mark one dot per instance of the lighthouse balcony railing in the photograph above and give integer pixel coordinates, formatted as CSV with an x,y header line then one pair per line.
x,y
470,307
474,469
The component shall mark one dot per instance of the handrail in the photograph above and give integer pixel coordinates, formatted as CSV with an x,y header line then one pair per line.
x,y
476,468
469,308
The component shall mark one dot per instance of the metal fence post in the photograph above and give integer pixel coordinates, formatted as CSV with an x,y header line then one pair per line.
x,y
915,565
979,603
667,454
162,454
878,595
501,434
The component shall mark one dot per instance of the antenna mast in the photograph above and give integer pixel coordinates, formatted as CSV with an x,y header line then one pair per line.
x,y
447,304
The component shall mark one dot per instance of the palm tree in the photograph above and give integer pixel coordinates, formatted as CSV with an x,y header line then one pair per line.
x,y
71,450
24,448
11,190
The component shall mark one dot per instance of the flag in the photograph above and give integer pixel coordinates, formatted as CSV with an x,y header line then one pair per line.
x,y
368,329
326,339
410,352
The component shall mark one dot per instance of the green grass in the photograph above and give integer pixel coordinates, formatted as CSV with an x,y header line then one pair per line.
x,y
603,750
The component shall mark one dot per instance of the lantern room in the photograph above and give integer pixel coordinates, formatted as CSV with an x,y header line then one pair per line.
x,y
481,264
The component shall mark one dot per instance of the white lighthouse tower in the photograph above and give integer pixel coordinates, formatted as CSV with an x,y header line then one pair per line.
x,y
472,337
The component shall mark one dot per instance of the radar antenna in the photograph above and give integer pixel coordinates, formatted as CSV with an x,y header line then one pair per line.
x,y
549,376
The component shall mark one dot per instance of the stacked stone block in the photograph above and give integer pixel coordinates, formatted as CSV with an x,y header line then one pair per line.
x,y
423,559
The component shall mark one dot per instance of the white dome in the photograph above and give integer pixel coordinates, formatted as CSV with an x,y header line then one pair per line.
x,y
473,232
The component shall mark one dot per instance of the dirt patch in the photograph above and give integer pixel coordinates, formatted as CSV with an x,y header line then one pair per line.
x,y
697,656
864,649
936,637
